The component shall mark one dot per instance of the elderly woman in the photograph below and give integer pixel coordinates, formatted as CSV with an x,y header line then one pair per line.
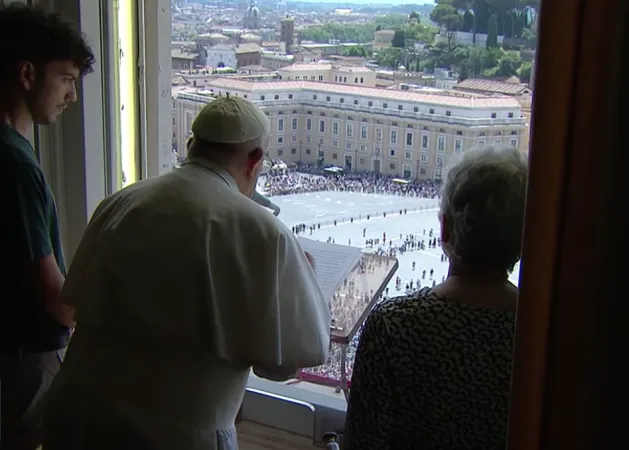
x,y
432,369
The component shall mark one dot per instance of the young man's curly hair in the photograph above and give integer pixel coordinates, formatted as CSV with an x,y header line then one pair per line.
x,y
40,37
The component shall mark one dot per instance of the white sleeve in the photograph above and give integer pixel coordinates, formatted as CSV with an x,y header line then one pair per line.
x,y
304,317
266,308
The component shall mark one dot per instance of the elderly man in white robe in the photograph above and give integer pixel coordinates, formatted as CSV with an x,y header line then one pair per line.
x,y
182,284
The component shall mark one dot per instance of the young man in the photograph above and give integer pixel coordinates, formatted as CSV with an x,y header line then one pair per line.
x,y
42,57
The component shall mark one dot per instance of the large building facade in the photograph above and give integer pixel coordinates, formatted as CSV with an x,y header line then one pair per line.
x,y
409,134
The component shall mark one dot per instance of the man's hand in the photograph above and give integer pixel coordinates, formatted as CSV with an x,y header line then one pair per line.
x,y
310,259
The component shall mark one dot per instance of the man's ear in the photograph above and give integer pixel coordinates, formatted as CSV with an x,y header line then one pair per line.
x,y
253,158
26,74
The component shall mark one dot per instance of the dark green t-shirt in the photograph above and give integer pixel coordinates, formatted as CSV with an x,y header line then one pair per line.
x,y
29,230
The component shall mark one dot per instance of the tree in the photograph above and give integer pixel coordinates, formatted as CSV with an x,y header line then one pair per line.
x,y
525,72
509,64
448,18
399,39
492,32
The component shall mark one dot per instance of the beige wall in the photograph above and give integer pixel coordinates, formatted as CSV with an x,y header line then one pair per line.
x,y
432,144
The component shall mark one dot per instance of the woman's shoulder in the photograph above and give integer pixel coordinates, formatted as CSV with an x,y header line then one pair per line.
x,y
427,302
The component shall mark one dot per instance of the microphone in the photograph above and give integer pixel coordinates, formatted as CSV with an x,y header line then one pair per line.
x,y
264,201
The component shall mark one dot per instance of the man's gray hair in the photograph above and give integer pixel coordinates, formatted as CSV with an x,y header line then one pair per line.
x,y
482,202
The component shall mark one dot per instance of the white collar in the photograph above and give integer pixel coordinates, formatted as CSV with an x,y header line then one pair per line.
x,y
215,169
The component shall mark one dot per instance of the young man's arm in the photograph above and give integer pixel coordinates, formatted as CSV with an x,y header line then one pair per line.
x,y
30,211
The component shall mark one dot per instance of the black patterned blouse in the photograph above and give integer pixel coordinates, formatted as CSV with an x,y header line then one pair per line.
x,y
431,374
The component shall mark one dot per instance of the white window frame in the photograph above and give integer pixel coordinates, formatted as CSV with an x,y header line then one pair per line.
x,y
308,124
513,142
363,132
336,127
460,145
378,134
321,125
441,143
426,139
423,158
393,137
280,125
294,124
408,134
349,130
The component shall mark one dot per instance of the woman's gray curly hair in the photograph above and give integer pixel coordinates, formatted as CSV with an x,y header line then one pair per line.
x,y
482,202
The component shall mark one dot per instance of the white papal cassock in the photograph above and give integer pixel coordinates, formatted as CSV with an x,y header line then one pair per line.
x,y
181,285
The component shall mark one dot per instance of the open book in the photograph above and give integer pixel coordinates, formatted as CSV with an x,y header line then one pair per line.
x,y
333,263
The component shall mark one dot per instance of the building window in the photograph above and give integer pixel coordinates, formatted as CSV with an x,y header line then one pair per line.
x,y
510,115
440,160
262,97
448,113
423,158
409,139
294,124
308,139
385,105
349,130
431,111
293,138
327,99
369,103
348,145
277,97
320,77
293,151
400,107
320,141
459,133
493,115
422,171
393,138
514,143
458,145
361,80
335,156
391,152
362,161
308,124
314,97
514,133
363,148
424,141
321,153
408,155
441,143
392,166
481,143
290,96
280,139
307,151
482,133
342,100
335,143
363,132
355,102
415,109
379,134
280,152
335,128
356,80
280,125
498,142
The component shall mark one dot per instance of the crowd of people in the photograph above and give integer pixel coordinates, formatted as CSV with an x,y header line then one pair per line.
x,y
304,178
